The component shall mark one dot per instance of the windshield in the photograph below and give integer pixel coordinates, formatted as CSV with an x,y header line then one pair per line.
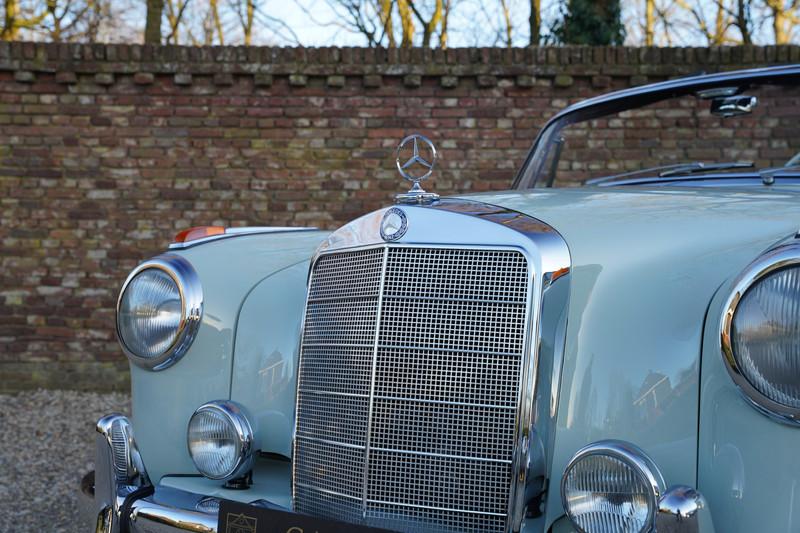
x,y
673,139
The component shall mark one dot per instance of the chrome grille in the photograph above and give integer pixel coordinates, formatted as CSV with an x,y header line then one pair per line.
x,y
408,387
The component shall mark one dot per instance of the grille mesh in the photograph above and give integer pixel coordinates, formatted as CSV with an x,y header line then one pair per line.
x,y
408,387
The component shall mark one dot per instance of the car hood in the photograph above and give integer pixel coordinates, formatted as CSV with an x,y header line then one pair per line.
x,y
633,212
645,265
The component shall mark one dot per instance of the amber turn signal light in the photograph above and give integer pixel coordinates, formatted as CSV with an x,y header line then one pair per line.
x,y
198,232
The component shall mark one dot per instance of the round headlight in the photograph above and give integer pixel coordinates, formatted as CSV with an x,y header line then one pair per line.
x,y
220,440
761,332
611,486
158,311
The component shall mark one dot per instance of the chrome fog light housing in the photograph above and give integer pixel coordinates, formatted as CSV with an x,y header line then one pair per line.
x,y
760,333
159,311
611,486
126,462
220,440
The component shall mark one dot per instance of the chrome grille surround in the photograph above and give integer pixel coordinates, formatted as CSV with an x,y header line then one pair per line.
x,y
415,388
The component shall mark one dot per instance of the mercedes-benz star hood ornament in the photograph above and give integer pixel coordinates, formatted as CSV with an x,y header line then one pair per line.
x,y
416,167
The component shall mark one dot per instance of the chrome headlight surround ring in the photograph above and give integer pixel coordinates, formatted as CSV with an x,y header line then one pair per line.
x,y
244,433
629,454
191,292
780,257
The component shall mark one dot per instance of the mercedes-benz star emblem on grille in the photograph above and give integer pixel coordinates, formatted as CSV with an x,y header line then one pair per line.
x,y
394,224
415,166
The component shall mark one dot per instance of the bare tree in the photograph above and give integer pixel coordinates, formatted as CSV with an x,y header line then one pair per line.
x,y
649,22
175,12
363,17
71,20
393,23
445,21
710,22
784,17
213,9
406,23
246,13
275,26
15,20
152,28
715,31
99,13
57,20
509,27
743,20
535,22
375,20
385,13
430,24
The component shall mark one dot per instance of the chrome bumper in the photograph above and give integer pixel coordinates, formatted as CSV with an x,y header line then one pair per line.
x,y
167,510
121,499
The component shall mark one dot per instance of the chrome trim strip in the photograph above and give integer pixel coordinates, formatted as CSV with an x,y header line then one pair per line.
x,y
237,232
443,402
549,261
444,455
191,291
434,508
348,345
628,453
447,350
329,491
331,392
454,300
244,432
293,484
335,443
373,372
781,256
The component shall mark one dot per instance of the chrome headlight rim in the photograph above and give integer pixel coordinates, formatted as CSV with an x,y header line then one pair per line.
x,y
187,281
779,258
244,432
634,457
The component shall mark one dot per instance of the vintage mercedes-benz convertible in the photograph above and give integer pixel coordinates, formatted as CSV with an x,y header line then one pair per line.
x,y
613,345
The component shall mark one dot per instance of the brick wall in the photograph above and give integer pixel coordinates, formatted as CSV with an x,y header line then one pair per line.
x,y
106,151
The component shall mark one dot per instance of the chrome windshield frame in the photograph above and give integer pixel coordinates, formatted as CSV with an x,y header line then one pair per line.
x,y
531,170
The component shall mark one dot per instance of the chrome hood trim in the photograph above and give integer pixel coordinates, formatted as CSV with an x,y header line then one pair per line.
x,y
238,232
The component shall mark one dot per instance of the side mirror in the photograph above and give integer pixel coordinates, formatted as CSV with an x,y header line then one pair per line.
x,y
733,106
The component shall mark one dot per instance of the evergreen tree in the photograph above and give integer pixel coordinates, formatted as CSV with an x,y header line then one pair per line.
x,y
590,22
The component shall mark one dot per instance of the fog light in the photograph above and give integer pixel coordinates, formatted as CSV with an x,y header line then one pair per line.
x,y
220,441
611,486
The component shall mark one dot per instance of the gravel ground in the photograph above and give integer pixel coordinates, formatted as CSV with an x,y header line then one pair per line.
x,y
46,446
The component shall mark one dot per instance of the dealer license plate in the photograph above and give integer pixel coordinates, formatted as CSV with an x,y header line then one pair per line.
x,y
236,517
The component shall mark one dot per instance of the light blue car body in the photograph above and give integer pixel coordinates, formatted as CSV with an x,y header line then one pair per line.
x,y
233,272
642,362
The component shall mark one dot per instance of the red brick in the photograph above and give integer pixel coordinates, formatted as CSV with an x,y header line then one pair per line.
x,y
97,175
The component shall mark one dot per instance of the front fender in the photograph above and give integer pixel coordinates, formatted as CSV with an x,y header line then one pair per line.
x,y
266,353
163,401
